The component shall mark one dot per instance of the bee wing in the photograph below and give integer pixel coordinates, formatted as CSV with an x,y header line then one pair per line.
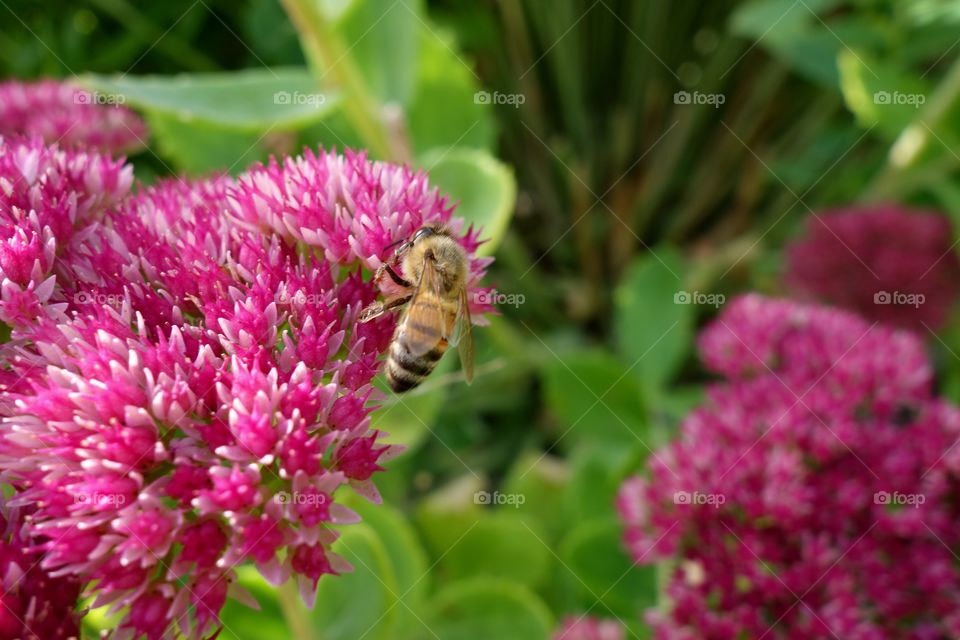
x,y
424,323
463,336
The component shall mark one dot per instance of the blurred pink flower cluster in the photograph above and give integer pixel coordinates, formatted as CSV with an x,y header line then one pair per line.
x,y
813,495
885,262
33,604
186,386
70,116
589,628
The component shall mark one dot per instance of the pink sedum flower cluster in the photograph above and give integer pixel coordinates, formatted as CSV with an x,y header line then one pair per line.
x,y
67,115
33,605
47,196
885,262
187,386
813,495
589,628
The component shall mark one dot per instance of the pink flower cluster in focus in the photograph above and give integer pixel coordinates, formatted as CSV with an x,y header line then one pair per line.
x,y
186,386
813,495
33,604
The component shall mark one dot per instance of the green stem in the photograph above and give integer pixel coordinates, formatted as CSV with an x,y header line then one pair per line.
x,y
705,274
294,612
328,56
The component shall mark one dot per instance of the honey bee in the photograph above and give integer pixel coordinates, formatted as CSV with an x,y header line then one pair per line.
x,y
434,281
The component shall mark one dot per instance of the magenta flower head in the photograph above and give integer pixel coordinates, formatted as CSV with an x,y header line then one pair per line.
x,y
588,628
813,494
200,396
67,115
47,196
887,263
33,604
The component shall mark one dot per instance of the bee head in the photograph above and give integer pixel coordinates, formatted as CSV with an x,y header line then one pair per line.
x,y
422,232
428,230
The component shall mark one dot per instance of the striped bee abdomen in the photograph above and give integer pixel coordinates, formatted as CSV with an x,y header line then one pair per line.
x,y
436,273
405,370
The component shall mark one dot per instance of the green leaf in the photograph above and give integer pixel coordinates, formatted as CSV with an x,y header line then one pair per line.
x,y
407,557
408,418
593,488
251,624
445,110
881,95
362,603
670,410
654,317
382,37
202,148
252,100
761,18
334,132
793,33
489,608
947,194
446,514
499,544
483,186
601,572
466,539
596,401
934,11
542,480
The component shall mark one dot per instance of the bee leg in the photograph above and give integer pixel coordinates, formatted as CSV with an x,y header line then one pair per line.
x,y
387,267
396,277
378,308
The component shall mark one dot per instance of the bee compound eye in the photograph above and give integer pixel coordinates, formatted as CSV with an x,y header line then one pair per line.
x,y
422,232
